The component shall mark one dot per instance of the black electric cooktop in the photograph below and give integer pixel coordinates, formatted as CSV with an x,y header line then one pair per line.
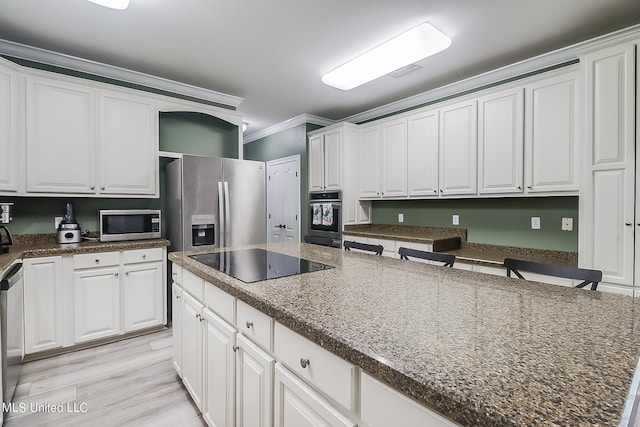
x,y
254,265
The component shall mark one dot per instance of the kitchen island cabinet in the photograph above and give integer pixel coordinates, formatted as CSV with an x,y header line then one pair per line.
x,y
477,349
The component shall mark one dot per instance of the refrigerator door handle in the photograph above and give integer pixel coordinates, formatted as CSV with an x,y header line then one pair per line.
x,y
221,218
227,216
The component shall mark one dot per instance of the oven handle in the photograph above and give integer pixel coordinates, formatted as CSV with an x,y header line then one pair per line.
x,y
322,202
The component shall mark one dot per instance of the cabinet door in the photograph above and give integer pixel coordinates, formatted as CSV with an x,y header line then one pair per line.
x,y
501,142
333,160
192,351
609,193
8,130
44,310
550,138
128,145
422,154
368,163
96,303
60,140
176,326
316,163
394,159
219,372
297,405
142,291
254,385
458,149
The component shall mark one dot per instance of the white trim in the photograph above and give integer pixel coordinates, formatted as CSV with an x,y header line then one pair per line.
x,y
48,57
288,124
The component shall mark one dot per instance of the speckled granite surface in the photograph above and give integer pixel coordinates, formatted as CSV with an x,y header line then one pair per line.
x,y
41,245
481,349
465,252
442,239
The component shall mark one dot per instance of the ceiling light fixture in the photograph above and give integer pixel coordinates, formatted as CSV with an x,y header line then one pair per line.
x,y
112,4
409,47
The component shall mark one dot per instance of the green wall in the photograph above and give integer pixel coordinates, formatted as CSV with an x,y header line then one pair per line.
x,y
505,221
287,143
196,133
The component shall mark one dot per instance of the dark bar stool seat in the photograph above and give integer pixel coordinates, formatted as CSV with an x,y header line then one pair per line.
x,y
588,277
447,259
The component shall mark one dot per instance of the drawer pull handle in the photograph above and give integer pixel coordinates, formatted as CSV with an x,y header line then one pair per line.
x,y
304,362
236,348
249,324
144,256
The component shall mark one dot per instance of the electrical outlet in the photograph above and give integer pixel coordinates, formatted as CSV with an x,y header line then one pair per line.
x,y
567,224
56,221
535,223
456,220
400,217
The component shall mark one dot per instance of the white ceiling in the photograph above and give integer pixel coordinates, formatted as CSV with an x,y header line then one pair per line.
x,y
273,53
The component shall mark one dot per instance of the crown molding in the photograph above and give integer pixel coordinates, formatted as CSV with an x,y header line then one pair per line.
x,y
48,57
288,124
531,65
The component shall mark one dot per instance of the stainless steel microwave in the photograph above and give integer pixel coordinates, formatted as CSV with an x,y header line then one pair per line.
x,y
130,224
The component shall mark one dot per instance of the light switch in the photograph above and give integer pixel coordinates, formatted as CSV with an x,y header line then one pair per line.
x,y
456,220
535,223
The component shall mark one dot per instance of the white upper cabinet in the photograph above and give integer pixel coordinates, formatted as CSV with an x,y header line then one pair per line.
x,y
501,142
368,161
550,134
83,140
60,137
9,133
422,154
394,159
128,144
325,161
382,160
458,149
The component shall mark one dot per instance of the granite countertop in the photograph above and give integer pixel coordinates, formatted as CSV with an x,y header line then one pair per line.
x,y
465,252
480,349
42,245
442,239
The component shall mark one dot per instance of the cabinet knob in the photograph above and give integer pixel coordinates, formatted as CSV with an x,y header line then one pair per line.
x,y
249,324
628,224
304,362
236,348
97,261
177,296
144,256
116,274
529,187
126,273
102,187
175,274
519,187
441,190
93,187
198,316
435,191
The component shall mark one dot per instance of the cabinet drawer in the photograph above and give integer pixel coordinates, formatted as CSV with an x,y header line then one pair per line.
x,y
255,325
321,368
193,284
102,259
220,302
142,255
176,273
390,248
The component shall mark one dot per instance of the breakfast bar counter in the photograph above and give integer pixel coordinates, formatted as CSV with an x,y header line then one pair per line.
x,y
477,348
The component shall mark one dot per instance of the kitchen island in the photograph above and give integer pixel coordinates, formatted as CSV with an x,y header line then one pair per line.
x,y
479,349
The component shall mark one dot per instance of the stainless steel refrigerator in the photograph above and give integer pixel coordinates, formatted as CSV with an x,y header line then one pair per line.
x,y
215,202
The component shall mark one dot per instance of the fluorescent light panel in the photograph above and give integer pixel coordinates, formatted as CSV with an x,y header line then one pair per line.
x,y
409,47
112,4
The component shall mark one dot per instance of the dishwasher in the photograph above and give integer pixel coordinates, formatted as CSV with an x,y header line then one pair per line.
x,y
11,306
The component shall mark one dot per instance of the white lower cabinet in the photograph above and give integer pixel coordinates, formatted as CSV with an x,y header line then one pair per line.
x,y
254,385
96,303
298,405
219,371
176,326
191,341
44,313
382,406
74,299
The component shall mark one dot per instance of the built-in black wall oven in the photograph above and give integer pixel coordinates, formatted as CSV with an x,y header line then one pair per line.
x,y
325,215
